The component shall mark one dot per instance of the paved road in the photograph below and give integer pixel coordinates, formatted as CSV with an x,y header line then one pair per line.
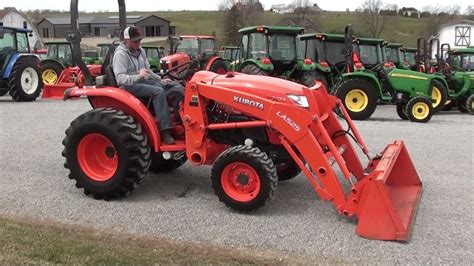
x,y
182,206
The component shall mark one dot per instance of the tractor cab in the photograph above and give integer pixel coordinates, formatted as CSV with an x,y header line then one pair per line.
x,y
395,53
230,53
12,40
153,54
272,49
191,53
462,59
371,52
61,52
409,57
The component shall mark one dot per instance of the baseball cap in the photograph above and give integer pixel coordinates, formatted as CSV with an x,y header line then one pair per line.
x,y
132,33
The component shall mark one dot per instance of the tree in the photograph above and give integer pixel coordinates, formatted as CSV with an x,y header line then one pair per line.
x,y
437,17
226,5
305,14
233,22
372,18
470,12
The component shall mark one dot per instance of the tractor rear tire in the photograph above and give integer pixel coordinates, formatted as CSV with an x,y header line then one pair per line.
x,y
50,72
461,104
470,104
219,67
25,82
160,165
439,94
288,171
244,178
107,153
253,69
402,111
358,97
419,109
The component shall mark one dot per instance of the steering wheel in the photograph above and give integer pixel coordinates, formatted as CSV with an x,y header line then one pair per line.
x,y
176,78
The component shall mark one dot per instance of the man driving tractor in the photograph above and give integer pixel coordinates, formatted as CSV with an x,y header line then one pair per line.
x,y
133,73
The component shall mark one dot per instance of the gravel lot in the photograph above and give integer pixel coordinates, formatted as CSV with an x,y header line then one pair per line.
x,y
182,205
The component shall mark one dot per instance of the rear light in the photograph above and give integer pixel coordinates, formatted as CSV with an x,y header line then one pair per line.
x,y
260,29
358,65
324,64
388,65
266,61
308,62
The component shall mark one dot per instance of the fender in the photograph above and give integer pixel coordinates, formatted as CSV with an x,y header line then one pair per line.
x,y
305,67
12,61
121,100
266,67
211,62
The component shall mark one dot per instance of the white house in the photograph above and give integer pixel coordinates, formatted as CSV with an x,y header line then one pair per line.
x,y
10,17
458,34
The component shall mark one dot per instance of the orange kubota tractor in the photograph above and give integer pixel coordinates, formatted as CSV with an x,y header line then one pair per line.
x,y
246,127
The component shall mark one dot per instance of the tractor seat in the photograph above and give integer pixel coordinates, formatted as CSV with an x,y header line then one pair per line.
x,y
110,76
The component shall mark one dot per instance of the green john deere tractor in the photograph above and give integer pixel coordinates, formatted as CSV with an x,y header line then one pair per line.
x,y
454,66
273,51
457,67
369,79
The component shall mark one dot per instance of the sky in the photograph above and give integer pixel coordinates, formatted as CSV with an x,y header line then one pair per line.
x,y
155,5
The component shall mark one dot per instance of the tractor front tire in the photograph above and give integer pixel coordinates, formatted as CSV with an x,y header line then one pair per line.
x,y
24,82
470,104
419,109
402,111
439,95
107,153
358,97
253,69
244,178
219,67
50,72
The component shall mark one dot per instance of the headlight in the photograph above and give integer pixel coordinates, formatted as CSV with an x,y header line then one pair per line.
x,y
299,100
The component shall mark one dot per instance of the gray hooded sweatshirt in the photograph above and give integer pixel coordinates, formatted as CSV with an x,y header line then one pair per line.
x,y
127,66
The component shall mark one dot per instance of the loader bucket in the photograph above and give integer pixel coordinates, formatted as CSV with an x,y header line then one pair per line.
x,y
55,91
389,198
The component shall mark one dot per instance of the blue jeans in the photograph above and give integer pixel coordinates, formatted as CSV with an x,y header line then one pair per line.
x,y
156,90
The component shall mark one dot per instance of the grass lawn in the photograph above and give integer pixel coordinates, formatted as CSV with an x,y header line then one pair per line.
x,y
30,242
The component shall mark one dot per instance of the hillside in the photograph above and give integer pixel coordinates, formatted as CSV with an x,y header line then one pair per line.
x,y
398,29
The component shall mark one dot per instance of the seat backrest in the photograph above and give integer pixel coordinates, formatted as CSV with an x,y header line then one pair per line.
x,y
110,76
108,57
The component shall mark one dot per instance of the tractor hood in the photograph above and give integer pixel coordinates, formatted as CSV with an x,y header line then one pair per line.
x,y
263,86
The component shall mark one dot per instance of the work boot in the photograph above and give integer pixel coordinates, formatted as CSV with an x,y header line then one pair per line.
x,y
166,137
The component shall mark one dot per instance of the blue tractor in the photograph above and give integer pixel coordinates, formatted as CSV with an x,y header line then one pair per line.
x,y
19,69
